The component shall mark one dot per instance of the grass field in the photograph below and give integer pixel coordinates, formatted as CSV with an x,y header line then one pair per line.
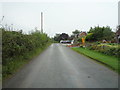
x,y
109,61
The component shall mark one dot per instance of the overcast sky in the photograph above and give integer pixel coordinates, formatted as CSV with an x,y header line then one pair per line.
x,y
59,15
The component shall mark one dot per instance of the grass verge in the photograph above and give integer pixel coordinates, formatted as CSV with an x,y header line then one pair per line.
x,y
110,61
18,62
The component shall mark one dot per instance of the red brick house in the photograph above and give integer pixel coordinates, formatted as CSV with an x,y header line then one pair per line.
x,y
82,34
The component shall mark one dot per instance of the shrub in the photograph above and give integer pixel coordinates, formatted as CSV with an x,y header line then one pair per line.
x,y
16,44
108,50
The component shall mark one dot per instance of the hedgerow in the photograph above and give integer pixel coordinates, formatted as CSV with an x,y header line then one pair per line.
x,y
17,46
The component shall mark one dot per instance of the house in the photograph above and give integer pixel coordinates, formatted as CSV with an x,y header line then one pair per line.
x,y
82,34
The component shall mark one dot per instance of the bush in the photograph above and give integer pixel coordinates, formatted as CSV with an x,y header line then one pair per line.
x,y
17,48
112,51
15,43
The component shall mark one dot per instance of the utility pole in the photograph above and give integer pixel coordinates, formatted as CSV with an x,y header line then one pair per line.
x,y
119,13
41,22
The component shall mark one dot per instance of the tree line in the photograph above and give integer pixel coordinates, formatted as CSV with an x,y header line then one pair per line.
x,y
96,33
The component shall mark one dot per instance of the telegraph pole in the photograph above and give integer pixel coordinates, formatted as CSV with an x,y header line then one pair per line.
x,y
41,22
119,13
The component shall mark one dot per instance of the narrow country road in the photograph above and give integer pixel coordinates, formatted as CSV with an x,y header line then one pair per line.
x,y
60,67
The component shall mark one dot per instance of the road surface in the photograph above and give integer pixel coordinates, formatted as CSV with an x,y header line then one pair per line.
x,y
60,67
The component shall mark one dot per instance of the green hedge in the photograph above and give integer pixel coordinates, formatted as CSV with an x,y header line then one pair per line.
x,y
18,47
15,43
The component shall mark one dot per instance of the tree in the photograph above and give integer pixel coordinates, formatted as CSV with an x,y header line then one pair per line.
x,y
76,32
56,37
62,36
75,35
100,33
108,34
89,37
